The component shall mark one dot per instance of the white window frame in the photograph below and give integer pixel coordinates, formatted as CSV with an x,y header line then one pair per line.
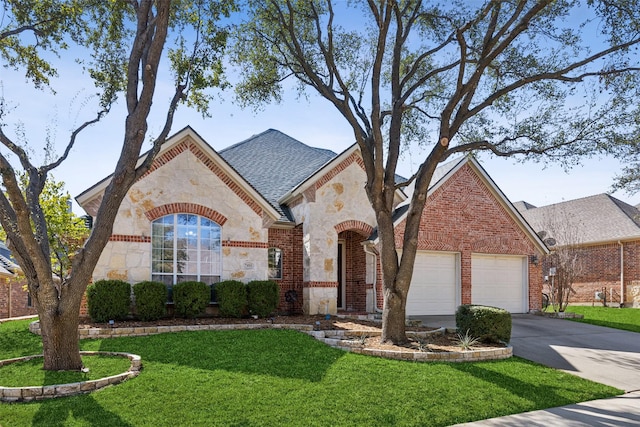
x,y
174,274
274,250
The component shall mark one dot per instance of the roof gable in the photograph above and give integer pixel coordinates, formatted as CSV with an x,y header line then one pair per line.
x,y
445,172
189,140
594,219
331,169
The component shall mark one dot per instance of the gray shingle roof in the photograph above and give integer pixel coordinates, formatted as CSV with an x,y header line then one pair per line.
x,y
274,163
7,264
523,206
599,218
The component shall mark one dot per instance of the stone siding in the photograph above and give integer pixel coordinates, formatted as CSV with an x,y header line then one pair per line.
x,y
185,180
334,203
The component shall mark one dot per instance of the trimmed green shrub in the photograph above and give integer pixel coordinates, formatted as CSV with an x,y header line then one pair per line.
x,y
151,299
232,298
108,300
488,324
263,297
190,298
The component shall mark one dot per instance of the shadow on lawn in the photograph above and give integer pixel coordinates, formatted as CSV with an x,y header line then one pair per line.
x,y
83,409
281,353
542,395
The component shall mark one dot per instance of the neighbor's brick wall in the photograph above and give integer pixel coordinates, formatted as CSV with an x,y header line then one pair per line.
x,y
599,269
464,216
289,240
14,290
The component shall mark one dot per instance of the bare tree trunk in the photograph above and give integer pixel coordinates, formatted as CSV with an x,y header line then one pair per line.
x,y
59,319
60,340
393,318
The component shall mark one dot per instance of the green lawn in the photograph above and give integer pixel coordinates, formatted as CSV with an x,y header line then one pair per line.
x,y
280,378
619,318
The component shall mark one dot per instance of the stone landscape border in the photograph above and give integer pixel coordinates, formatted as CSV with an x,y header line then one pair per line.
x,y
27,394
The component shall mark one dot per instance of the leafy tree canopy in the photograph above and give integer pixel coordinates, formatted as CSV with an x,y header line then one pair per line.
x,y
119,44
515,78
66,231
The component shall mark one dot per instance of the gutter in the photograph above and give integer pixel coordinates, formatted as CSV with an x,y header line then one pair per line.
x,y
621,273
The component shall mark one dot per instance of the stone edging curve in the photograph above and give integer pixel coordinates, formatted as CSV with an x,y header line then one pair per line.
x,y
26,394
336,339
341,340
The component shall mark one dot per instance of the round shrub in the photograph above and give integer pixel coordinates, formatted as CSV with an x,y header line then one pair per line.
x,y
488,324
108,300
263,297
151,299
190,298
232,298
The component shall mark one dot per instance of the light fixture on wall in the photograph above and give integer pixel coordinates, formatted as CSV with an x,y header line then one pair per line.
x,y
533,259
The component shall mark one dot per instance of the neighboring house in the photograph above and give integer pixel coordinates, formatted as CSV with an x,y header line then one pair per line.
x,y
273,207
14,298
606,234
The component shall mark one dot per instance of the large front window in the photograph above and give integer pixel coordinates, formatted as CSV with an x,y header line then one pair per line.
x,y
185,247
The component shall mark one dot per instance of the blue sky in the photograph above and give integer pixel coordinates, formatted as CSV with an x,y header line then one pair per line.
x,y
314,122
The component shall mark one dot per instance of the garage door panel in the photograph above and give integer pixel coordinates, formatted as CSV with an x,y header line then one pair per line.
x,y
499,281
434,283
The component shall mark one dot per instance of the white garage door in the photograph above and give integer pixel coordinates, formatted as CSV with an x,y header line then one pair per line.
x,y
499,281
434,284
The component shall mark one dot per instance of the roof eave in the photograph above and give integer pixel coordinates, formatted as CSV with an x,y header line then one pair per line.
x,y
513,212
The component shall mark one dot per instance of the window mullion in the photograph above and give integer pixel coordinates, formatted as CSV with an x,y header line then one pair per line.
x,y
175,249
198,246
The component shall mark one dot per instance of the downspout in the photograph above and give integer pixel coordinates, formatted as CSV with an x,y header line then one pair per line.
x,y
621,273
367,250
9,287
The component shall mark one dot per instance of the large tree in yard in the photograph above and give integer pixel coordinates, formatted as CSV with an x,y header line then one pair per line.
x,y
120,44
528,78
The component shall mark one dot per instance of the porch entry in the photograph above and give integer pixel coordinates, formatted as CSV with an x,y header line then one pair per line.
x,y
351,272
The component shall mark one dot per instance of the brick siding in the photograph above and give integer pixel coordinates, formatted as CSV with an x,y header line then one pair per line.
x,y
355,264
15,291
289,240
188,208
599,271
464,216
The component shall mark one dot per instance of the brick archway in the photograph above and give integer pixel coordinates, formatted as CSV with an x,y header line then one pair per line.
x,y
190,208
359,227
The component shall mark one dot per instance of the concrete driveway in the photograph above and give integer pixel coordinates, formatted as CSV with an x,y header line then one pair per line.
x,y
605,355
